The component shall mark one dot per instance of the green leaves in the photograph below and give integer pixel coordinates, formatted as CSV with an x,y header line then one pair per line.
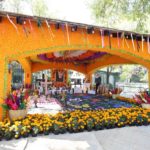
x,y
113,13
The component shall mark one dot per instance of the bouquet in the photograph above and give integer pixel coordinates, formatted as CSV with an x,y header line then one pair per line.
x,y
142,97
16,100
116,91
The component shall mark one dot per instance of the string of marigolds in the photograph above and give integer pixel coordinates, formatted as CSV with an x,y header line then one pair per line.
x,y
75,121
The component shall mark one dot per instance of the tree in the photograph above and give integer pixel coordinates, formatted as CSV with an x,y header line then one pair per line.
x,y
111,13
39,8
2,5
13,5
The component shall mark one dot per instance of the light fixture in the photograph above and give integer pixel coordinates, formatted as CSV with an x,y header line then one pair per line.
x,y
90,30
74,28
57,26
19,20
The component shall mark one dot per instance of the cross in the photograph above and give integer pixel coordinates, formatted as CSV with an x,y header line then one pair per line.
x,y
46,83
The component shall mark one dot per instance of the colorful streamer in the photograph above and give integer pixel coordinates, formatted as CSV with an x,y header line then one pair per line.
x,y
137,43
148,45
25,29
142,43
67,33
127,43
109,39
83,37
132,42
13,24
49,28
118,39
30,25
87,39
102,38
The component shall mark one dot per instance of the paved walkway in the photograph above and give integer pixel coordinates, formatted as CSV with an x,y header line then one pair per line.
x,y
127,138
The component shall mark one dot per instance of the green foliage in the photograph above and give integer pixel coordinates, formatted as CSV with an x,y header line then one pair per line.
x,y
39,7
5,107
112,13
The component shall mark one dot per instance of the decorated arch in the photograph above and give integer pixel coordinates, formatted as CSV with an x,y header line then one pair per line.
x,y
42,43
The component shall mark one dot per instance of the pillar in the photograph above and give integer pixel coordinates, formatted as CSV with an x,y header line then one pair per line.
x,y
4,86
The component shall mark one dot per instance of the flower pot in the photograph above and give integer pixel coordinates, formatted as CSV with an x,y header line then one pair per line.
x,y
147,106
15,114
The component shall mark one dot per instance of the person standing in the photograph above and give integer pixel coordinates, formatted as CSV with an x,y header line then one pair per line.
x,y
97,82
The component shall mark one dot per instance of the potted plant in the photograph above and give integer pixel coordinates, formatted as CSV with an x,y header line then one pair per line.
x,y
143,98
115,92
16,104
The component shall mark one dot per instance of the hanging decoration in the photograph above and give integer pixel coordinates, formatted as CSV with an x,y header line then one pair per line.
x,y
137,44
67,33
64,32
109,34
102,38
25,29
132,41
118,39
142,39
49,29
39,23
148,45
31,28
123,38
126,42
87,39
83,37
12,23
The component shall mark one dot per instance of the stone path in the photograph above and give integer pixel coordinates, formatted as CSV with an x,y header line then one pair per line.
x,y
127,138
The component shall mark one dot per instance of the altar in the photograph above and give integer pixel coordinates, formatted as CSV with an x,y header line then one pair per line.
x,y
59,77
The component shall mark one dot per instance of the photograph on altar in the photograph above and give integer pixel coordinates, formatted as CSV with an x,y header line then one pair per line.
x,y
60,75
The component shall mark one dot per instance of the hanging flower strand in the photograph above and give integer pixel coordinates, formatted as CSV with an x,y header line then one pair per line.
x,y
142,43
102,38
12,23
49,29
67,33
132,42
30,25
148,45
118,39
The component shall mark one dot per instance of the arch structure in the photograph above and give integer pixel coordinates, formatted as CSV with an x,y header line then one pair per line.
x,y
41,43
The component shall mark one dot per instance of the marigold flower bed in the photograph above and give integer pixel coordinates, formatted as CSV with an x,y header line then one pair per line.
x,y
75,121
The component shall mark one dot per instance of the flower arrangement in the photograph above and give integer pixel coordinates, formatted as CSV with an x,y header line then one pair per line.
x,y
116,91
16,100
143,99
75,121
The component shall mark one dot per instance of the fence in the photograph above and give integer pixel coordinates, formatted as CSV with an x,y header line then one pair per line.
x,y
130,89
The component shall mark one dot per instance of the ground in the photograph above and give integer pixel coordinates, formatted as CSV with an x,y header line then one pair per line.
x,y
127,138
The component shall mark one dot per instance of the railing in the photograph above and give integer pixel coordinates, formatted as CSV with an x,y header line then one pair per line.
x,y
130,89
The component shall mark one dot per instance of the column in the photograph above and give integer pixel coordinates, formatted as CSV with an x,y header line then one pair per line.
x,y
4,86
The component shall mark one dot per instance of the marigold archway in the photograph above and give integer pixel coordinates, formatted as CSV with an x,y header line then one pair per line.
x,y
32,36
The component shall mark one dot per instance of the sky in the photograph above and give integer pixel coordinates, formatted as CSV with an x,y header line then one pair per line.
x,y
70,10
73,10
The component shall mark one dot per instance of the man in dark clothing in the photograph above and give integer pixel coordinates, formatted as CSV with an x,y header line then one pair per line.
x,y
97,82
